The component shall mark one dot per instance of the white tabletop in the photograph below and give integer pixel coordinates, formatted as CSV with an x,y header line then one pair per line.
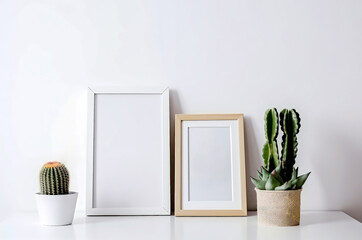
x,y
314,225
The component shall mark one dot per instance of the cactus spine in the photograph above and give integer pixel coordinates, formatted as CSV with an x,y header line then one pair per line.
x,y
54,179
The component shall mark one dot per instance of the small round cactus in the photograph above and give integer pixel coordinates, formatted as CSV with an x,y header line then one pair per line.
x,y
54,179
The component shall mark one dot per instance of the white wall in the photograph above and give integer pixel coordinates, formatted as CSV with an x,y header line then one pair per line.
x,y
216,56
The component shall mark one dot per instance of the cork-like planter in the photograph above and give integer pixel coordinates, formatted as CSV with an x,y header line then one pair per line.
x,y
278,208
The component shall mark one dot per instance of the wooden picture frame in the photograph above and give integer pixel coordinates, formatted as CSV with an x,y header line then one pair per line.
x,y
210,165
128,162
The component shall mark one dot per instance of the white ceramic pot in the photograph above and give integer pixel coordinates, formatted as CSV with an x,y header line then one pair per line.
x,y
56,210
278,208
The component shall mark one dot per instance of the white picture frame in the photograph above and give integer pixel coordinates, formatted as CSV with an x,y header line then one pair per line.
x,y
210,165
128,152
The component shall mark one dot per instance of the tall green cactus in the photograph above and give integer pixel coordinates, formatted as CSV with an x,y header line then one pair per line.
x,y
290,125
270,149
54,179
280,175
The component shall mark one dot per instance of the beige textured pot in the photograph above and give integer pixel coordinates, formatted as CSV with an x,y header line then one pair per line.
x,y
278,208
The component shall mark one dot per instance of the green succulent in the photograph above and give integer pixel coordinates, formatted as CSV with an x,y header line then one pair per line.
x,y
280,174
270,149
54,179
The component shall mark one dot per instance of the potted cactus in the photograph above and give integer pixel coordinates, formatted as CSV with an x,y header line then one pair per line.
x,y
278,185
56,205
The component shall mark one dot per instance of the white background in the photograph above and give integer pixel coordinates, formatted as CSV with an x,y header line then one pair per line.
x,y
225,56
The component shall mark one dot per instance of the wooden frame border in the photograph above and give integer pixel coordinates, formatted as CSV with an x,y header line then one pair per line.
x,y
165,209
178,165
